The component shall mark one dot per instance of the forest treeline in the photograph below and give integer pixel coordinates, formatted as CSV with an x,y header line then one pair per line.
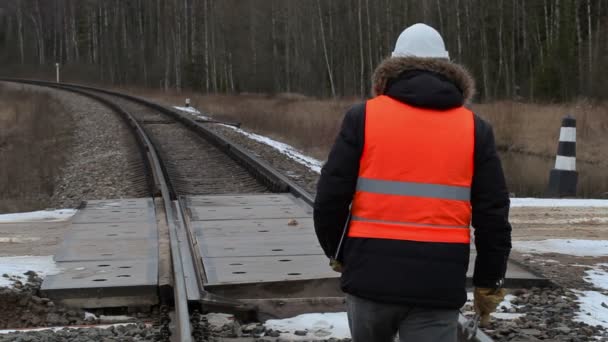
x,y
550,50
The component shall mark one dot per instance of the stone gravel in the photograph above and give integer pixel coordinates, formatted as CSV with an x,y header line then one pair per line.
x,y
549,313
103,160
121,333
21,306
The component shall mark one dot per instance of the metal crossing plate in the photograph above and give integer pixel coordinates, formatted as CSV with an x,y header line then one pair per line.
x,y
109,257
133,203
248,212
236,200
255,228
256,238
108,215
265,268
260,245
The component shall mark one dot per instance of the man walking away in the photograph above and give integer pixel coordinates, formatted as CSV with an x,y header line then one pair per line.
x,y
411,170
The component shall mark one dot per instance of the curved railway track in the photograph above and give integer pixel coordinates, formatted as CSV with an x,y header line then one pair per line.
x,y
184,157
192,164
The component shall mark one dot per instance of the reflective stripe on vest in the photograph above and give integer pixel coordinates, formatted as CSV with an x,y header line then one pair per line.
x,y
415,174
413,189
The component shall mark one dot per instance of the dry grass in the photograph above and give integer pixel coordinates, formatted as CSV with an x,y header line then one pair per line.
x,y
526,134
534,128
33,140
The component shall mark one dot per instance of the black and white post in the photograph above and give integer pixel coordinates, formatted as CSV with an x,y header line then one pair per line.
x,y
563,178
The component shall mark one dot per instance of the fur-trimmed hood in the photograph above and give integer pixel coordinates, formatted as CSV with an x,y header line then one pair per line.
x,y
392,67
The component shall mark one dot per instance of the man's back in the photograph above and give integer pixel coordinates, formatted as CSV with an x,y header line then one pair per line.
x,y
413,195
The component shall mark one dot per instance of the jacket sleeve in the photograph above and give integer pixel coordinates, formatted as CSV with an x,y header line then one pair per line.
x,y
490,202
338,181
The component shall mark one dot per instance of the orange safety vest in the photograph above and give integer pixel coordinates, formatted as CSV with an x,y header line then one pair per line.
x,y
415,174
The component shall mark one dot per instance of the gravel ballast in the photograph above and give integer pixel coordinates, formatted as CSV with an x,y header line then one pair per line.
x,y
103,160
300,174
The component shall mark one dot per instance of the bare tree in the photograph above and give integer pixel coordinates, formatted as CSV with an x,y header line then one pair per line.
x,y
325,53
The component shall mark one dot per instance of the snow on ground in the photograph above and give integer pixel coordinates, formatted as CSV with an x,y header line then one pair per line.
x,y
116,319
187,109
593,308
319,325
55,329
593,304
553,202
598,276
219,320
194,111
38,216
288,150
103,319
593,248
506,304
18,239
17,265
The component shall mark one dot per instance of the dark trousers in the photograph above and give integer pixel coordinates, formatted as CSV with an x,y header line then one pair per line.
x,y
371,321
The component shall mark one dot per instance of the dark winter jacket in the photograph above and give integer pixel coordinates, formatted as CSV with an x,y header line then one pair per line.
x,y
409,272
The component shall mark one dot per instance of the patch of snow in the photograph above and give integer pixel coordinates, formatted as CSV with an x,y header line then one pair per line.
x,y
553,202
191,110
89,316
506,304
506,315
116,319
204,117
219,319
285,149
320,325
38,216
593,248
18,265
55,329
585,220
18,239
598,276
593,308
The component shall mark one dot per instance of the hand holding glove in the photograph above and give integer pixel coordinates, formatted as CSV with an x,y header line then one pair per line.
x,y
486,301
335,265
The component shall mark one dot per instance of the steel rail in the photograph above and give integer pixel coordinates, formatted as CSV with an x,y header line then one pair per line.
x,y
265,173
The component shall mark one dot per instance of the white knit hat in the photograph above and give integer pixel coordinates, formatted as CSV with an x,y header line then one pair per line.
x,y
420,40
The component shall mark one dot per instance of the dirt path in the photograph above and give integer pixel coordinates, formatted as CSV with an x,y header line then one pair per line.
x,y
537,223
31,238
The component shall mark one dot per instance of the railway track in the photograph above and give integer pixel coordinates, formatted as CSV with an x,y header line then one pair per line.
x,y
184,157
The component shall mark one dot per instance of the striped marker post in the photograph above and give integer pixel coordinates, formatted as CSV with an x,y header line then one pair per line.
x,y
563,178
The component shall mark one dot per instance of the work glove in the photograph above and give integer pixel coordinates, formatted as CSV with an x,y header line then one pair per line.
x,y
335,265
486,301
